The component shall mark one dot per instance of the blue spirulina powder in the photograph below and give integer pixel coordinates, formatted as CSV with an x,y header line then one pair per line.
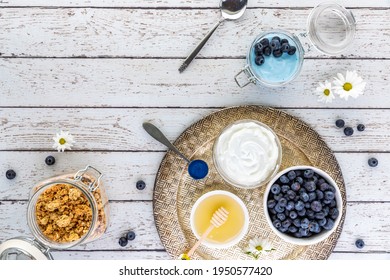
x,y
198,169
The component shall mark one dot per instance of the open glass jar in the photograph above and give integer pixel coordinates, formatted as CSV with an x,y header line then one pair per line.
x,y
63,212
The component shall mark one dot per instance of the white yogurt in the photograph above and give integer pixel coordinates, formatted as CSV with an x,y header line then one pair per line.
x,y
246,153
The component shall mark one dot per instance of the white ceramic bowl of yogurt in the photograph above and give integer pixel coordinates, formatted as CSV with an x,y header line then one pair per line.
x,y
247,154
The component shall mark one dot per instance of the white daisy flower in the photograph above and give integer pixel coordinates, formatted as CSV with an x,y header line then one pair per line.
x,y
350,85
258,246
63,141
324,92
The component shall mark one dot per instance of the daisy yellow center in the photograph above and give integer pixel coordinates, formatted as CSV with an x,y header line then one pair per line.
x,y
347,86
327,92
259,248
62,141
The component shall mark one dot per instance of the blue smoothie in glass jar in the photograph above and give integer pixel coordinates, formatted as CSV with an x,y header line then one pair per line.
x,y
275,70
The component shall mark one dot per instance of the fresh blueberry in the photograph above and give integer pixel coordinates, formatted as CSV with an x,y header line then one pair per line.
x,y
322,222
332,203
293,215
316,206
277,223
276,38
130,235
259,60
283,229
302,213
277,197
140,185
284,179
271,203
334,213
308,173
304,197
290,205
259,49
361,127
326,210
310,186
286,223
297,222
297,234
123,241
320,194
329,224
291,194
277,53
329,195
50,160
291,175
296,186
319,215
298,172
285,188
292,50
359,243
312,196
272,211
283,202
348,131
275,189
314,227
292,229
299,180
304,231
320,181
307,205
283,41
299,205
326,201
324,187
340,123
278,208
310,214
373,162
274,44
10,174
285,47
267,51
281,216
264,42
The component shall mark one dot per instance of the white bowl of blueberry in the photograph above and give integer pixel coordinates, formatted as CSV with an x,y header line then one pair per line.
x,y
303,205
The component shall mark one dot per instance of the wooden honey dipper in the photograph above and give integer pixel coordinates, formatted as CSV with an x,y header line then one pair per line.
x,y
218,219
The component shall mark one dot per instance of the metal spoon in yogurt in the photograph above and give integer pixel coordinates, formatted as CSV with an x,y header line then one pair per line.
x,y
198,169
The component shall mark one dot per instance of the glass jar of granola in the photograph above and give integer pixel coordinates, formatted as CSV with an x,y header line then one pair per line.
x,y
68,210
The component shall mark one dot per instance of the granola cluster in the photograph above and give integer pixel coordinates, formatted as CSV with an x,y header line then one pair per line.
x,y
64,213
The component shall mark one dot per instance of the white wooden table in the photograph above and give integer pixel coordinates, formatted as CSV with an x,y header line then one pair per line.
x,y
101,68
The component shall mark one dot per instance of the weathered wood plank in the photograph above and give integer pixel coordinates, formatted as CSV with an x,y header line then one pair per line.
x,y
161,255
122,171
131,82
364,220
121,129
166,33
183,3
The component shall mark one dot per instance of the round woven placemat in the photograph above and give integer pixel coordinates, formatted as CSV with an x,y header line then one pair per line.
x,y
175,191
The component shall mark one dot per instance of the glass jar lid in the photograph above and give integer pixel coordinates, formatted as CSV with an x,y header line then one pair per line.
x,y
23,248
331,28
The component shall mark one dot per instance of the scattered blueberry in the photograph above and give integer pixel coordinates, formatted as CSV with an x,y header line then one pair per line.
x,y
340,123
50,160
198,169
372,162
10,174
292,50
348,131
361,127
359,243
259,60
140,185
123,241
130,235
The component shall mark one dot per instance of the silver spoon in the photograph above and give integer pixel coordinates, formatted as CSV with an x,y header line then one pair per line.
x,y
230,10
198,169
